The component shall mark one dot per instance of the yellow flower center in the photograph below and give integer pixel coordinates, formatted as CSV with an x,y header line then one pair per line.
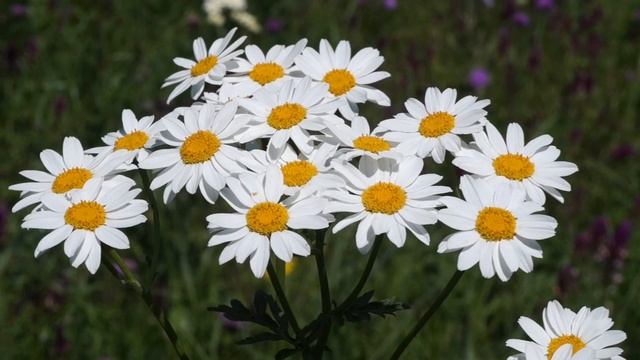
x,y
199,147
437,124
371,143
267,217
286,116
513,166
70,179
495,224
576,343
132,141
266,72
340,81
298,173
85,215
384,197
204,66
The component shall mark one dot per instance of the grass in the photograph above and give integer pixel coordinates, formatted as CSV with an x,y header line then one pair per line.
x,y
69,68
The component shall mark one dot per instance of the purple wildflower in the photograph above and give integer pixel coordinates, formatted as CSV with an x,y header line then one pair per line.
x,y
274,25
622,152
229,324
521,18
545,4
390,4
567,277
479,78
18,10
4,215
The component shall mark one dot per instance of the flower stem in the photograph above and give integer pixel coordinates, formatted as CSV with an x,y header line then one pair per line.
x,y
157,311
325,293
154,242
282,297
322,271
444,293
364,277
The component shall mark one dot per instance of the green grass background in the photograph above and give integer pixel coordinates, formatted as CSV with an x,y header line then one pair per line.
x,y
70,67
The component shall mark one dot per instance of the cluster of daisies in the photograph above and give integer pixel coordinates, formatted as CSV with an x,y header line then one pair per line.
x,y
280,139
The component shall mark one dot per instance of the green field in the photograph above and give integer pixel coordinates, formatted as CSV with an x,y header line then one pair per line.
x,y
68,68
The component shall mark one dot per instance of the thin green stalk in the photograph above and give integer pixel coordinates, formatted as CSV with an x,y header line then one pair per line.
x,y
365,275
325,293
282,297
444,293
157,311
154,242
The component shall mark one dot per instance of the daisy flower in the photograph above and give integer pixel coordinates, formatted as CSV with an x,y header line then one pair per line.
x,y
263,221
386,197
357,140
433,127
208,67
497,227
289,112
349,78
260,70
586,332
302,174
531,167
136,137
65,173
89,217
201,154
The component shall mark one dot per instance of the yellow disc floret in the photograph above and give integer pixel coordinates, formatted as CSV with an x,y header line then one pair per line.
x,y
371,143
267,217
132,141
266,72
204,66
437,124
298,173
70,179
513,166
495,224
340,81
286,116
384,197
199,147
85,215
576,343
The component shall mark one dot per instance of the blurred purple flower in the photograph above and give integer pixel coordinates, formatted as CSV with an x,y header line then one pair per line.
x,y
479,78
619,242
591,240
488,3
567,277
617,250
229,324
390,4
545,4
59,105
18,10
622,152
521,18
4,215
274,25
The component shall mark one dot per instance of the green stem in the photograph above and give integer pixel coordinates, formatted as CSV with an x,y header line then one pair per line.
x,y
282,297
444,293
154,242
365,275
325,293
157,311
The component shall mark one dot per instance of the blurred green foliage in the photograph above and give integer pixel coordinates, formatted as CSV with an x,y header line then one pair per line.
x,y
68,68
